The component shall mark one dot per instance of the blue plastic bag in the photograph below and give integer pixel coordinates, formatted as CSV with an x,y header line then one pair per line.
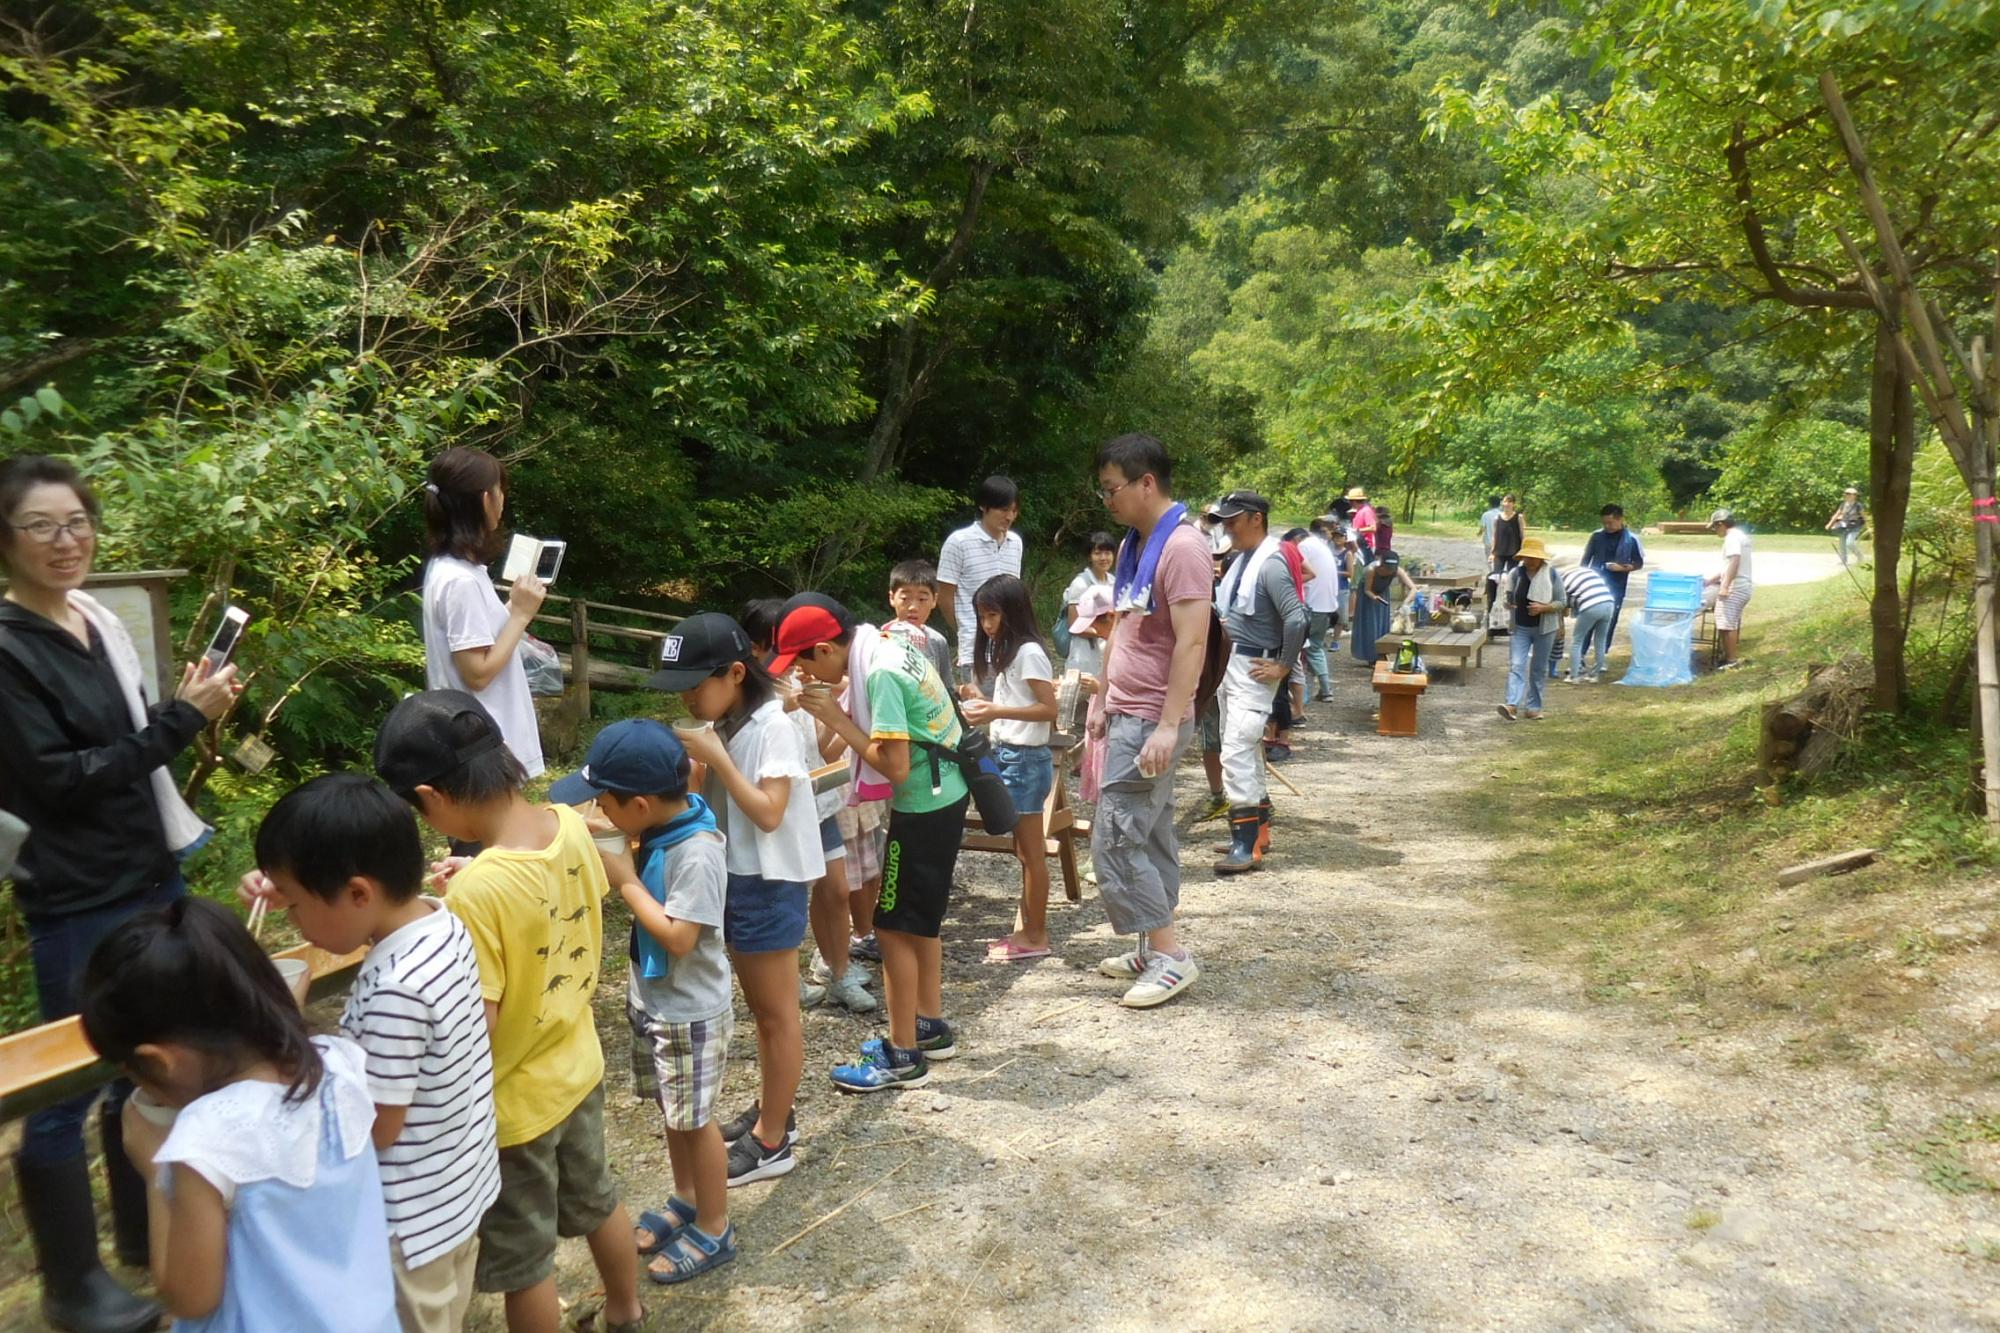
x,y
1662,649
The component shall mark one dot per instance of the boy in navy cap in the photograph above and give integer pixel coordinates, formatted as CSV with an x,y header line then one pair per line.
x,y
678,997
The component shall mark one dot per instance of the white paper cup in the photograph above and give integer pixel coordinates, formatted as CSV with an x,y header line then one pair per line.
x,y
152,1112
297,974
613,843
690,726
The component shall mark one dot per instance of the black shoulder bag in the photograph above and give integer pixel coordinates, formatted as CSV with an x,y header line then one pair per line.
x,y
974,756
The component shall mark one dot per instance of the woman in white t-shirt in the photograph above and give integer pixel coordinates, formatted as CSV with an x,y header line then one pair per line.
x,y
1097,574
1016,705
1732,587
472,640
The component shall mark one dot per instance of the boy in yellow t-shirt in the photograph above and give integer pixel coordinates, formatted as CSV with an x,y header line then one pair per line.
x,y
532,902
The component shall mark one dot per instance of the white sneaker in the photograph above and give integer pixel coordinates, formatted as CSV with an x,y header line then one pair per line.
x,y
1164,978
851,991
809,994
1126,966
819,971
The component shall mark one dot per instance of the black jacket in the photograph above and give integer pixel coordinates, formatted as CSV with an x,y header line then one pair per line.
x,y
72,766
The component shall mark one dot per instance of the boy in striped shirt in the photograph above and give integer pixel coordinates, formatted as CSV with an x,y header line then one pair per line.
x,y
343,855
1595,608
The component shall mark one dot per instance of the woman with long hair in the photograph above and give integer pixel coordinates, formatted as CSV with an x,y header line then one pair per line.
x,y
83,762
472,640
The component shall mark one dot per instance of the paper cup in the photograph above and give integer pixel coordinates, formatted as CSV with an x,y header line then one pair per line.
x,y
297,974
152,1112
613,843
690,726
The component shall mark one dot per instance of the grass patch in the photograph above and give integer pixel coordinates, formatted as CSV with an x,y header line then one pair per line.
x,y
1638,843
1943,1155
1703,1219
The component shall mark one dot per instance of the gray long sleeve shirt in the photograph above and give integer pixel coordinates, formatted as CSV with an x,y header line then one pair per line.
x,y
1276,619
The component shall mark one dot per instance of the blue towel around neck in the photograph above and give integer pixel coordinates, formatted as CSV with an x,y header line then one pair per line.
x,y
1132,578
650,955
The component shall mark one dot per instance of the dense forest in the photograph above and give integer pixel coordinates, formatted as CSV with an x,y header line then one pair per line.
x,y
750,294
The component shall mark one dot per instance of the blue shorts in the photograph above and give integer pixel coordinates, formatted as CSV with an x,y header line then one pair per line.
x,y
761,915
831,845
1029,772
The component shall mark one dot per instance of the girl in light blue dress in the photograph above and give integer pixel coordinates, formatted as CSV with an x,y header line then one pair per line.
x,y
264,1191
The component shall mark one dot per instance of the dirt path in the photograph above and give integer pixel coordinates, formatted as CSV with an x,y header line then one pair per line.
x,y
1372,1112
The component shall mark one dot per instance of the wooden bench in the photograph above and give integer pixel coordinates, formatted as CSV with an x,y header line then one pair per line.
x,y
1682,527
1399,690
1440,643
1447,582
1060,828
46,1064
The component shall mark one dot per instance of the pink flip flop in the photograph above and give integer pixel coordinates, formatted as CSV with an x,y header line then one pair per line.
x,y
1004,950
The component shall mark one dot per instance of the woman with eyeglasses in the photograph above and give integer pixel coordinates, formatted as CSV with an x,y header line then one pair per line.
x,y
83,762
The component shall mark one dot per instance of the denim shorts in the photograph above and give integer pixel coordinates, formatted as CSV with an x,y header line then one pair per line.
x,y
761,915
1029,773
831,846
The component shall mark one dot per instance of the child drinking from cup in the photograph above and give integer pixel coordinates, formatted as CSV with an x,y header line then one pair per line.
x,y
264,1193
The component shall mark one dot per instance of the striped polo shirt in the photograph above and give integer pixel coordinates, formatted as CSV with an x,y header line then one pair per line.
x,y
1585,588
970,557
416,1010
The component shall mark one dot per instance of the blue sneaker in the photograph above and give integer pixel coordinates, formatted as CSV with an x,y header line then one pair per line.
x,y
879,1073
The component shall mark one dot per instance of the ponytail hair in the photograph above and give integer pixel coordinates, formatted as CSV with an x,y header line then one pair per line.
x,y
190,974
455,504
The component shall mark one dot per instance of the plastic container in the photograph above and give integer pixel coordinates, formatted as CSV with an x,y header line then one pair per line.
x,y
1662,648
1673,592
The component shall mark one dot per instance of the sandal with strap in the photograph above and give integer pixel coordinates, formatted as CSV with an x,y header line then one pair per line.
x,y
692,1253
589,1318
664,1226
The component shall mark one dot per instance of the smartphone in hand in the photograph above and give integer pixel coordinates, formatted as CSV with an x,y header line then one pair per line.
x,y
223,646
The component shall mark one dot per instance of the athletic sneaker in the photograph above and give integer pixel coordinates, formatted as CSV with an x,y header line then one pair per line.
x,y
750,1161
740,1127
881,1073
819,971
938,1046
862,948
809,994
1733,663
1126,966
1217,807
1165,977
851,991
1323,697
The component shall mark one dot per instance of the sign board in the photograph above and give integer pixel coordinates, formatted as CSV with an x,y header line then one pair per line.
x,y
139,600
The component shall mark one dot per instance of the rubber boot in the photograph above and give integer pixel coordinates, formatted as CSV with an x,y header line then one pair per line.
x,y
1263,829
78,1296
127,1189
1242,854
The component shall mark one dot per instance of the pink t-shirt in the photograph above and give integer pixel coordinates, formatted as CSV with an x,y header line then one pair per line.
x,y
1143,649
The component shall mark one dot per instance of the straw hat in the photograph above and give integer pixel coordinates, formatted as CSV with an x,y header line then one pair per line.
x,y
1356,493
1532,549
1853,490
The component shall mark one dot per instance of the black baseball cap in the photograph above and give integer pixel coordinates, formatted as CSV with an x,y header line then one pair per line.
x,y
430,735
1240,502
697,648
638,756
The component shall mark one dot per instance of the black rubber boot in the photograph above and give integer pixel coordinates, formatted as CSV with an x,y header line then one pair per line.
x,y
1242,855
78,1296
129,1231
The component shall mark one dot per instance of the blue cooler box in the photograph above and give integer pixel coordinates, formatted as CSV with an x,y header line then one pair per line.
x,y
1673,592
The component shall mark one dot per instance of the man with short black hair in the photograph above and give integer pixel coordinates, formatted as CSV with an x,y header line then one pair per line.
x,y
974,554
1613,551
1152,666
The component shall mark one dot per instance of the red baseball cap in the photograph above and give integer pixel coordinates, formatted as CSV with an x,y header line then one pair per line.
x,y
808,620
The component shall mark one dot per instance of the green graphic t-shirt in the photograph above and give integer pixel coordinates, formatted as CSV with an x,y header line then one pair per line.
x,y
909,702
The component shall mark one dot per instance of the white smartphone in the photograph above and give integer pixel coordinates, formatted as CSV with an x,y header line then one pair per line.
x,y
549,563
223,646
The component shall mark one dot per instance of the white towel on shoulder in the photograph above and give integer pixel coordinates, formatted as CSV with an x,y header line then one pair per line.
x,y
185,831
868,785
1240,584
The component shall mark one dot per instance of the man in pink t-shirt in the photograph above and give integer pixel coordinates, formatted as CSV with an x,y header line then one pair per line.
x,y
1152,663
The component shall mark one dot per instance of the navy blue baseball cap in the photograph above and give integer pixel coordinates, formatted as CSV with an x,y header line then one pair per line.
x,y
639,757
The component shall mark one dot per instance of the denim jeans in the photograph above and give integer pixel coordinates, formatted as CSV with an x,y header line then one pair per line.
x,y
60,946
1592,627
1528,667
1316,649
1850,546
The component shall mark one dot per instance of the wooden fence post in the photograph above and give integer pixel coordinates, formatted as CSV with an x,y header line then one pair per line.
x,y
579,658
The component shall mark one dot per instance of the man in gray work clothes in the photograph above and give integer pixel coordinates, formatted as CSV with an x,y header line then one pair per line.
x,y
1152,666
1260,607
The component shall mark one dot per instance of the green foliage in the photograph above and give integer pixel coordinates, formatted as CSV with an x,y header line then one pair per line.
x,y
1790,475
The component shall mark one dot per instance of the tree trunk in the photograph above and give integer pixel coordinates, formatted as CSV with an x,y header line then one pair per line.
x,y
1892,447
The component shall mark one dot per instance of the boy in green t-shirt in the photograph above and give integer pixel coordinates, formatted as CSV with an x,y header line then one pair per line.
x,y
898,713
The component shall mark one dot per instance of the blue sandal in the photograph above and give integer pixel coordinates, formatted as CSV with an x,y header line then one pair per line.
x,y
693,1253
666,1226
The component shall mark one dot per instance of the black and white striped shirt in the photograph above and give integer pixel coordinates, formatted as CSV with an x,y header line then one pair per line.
x,y
416,1010
1585,588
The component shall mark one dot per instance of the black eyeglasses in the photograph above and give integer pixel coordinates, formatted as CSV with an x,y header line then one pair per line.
x,y
46,530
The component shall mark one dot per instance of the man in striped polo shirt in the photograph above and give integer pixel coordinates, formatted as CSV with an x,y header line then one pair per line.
x,y
974,554
1591,600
